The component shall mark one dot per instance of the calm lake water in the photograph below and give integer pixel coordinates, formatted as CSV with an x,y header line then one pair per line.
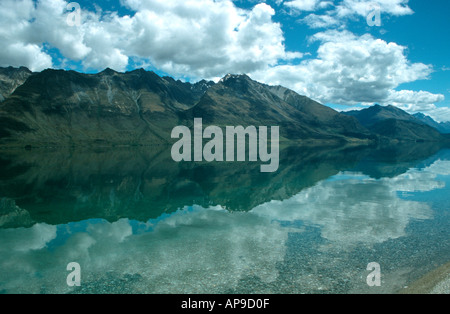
x,y
137,222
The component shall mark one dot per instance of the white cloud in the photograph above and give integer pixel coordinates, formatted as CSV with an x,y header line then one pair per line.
x,y
202,38
419,100
352,69
21,54
17,50
364,7
321,21
336,14
439,114
207,39
303,5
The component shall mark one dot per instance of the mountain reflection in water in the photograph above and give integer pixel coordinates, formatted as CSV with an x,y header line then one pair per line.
x,y
138,222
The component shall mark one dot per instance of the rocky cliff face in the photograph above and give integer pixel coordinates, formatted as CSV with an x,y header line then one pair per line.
x,y
10,79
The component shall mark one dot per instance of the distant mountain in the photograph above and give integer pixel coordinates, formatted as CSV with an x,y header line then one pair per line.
x,y
321,116
443,127
394,123
57,107
10,79
405,130
67,108
372,115
239,100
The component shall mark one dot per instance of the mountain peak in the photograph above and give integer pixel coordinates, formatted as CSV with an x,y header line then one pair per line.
x,y
11,69
141,107
234,77
393,122
421,115
239,83
108,71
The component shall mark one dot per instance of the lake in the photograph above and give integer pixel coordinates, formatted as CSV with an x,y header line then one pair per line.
x,y
138,222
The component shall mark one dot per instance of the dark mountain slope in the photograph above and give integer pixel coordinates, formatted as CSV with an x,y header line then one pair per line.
x,y
405,130
67,108
321,116
377,113
238,100
393,123
58,107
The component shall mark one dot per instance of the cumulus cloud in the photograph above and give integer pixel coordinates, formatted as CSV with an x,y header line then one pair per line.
x,y
354,70
17,49
422,101
418,100
207,38
199,38
351,69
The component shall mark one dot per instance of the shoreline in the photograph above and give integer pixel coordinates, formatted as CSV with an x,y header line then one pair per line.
x,y
435,282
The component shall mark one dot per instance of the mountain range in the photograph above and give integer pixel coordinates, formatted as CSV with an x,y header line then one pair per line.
x,y
67,108
443,127
394,123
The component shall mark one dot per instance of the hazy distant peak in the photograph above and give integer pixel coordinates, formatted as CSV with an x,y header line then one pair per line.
x,y
421,115
443,127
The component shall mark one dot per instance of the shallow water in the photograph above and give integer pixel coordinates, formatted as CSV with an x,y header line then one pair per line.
x,y
136,222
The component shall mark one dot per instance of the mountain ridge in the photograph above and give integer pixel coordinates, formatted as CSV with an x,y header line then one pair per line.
x,y
443,127
68,108
390,122
300,118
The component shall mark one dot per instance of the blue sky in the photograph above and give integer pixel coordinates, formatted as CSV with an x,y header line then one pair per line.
x,y
322,49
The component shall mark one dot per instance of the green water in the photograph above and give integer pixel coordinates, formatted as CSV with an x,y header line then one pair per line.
x,y
137,222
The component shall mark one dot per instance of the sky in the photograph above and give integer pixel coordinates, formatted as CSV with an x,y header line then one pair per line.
x,y
348,54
